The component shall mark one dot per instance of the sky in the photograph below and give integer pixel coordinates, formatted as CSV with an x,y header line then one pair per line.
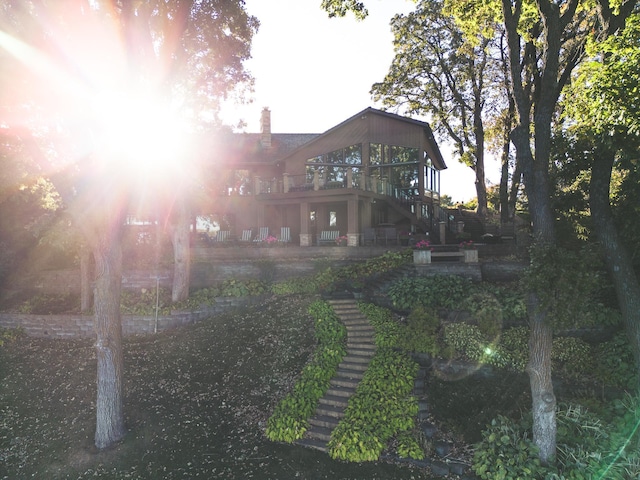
x,y
314,72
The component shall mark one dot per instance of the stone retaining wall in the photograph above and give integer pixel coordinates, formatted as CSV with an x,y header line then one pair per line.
x,y
73,326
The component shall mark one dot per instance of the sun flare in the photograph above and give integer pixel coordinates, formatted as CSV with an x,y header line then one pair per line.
x,y
143,133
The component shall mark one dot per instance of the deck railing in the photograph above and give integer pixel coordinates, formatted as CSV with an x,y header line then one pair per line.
x,y
296,183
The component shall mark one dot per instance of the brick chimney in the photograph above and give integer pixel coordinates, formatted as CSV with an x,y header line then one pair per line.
x,y
265,128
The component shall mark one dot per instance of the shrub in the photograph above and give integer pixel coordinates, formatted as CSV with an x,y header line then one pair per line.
x,y
49,304
419,335
8,335
572,355
409,446
514,347
506,452
614,363
439,291
487,311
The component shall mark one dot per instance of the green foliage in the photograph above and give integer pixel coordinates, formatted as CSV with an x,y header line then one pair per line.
x,y
289,419
565,283
514,347
380,408
614,363
267,268
388,331
439,291
228,288
295,285
409,446
506,452
589,446
512,300
419,335
469,342
8,335
50,304
607,93
571,355
487,311
143,301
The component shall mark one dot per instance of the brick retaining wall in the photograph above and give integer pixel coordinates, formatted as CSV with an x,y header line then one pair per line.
x,y
71,326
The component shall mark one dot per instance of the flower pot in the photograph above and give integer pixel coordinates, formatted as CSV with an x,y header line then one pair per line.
x,y
470,256
421,257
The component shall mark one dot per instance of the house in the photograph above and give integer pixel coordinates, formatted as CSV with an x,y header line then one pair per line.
x,y
375,169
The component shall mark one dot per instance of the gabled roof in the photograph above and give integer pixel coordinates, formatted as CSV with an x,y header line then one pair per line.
x,y
434,152
247,148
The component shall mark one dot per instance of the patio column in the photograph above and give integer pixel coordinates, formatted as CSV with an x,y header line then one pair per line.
x,y
306,239
353,234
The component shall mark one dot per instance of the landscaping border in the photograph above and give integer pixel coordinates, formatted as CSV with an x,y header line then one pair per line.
x,y
82,326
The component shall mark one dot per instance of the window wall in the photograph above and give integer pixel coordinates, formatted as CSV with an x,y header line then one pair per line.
x,y
332,167
399,165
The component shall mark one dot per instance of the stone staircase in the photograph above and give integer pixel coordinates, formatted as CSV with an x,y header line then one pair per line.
x,y
360,349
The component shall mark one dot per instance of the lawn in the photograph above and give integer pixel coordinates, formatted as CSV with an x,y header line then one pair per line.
x,y
197,400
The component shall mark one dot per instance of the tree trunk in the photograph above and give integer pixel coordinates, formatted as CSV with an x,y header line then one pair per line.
x,y
107,253
181,253
86,293
541,331
481,186
617,258
539,371
505,216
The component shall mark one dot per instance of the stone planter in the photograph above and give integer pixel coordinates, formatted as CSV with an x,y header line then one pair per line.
x,y
421,257
470,256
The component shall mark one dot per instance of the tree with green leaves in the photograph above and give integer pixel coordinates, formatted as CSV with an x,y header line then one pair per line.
x,y
92,90
603,109
441,73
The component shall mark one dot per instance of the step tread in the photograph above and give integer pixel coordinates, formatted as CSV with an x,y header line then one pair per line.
x,y
323,421
319,432
313,443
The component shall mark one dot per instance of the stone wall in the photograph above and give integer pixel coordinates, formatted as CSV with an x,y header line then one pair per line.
x,y
73,326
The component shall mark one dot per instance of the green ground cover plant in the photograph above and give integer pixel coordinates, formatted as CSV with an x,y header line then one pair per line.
x,y
290,418
381,408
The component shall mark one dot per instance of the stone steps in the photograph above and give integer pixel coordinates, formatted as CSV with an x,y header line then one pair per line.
x,y
360,349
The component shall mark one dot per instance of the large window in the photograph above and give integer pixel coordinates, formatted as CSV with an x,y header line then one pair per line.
x,y
332,167
431,177
351,155
398,165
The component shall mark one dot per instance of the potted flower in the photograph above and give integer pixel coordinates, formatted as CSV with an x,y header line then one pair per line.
x,y
270,241
422,252
470,251
341,241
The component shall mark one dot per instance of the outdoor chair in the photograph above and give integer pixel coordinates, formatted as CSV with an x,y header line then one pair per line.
x,y
262,234
328,237
247,235
285,235
369,236
222,236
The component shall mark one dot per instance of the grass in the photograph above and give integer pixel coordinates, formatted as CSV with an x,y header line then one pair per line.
x,y
197,401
